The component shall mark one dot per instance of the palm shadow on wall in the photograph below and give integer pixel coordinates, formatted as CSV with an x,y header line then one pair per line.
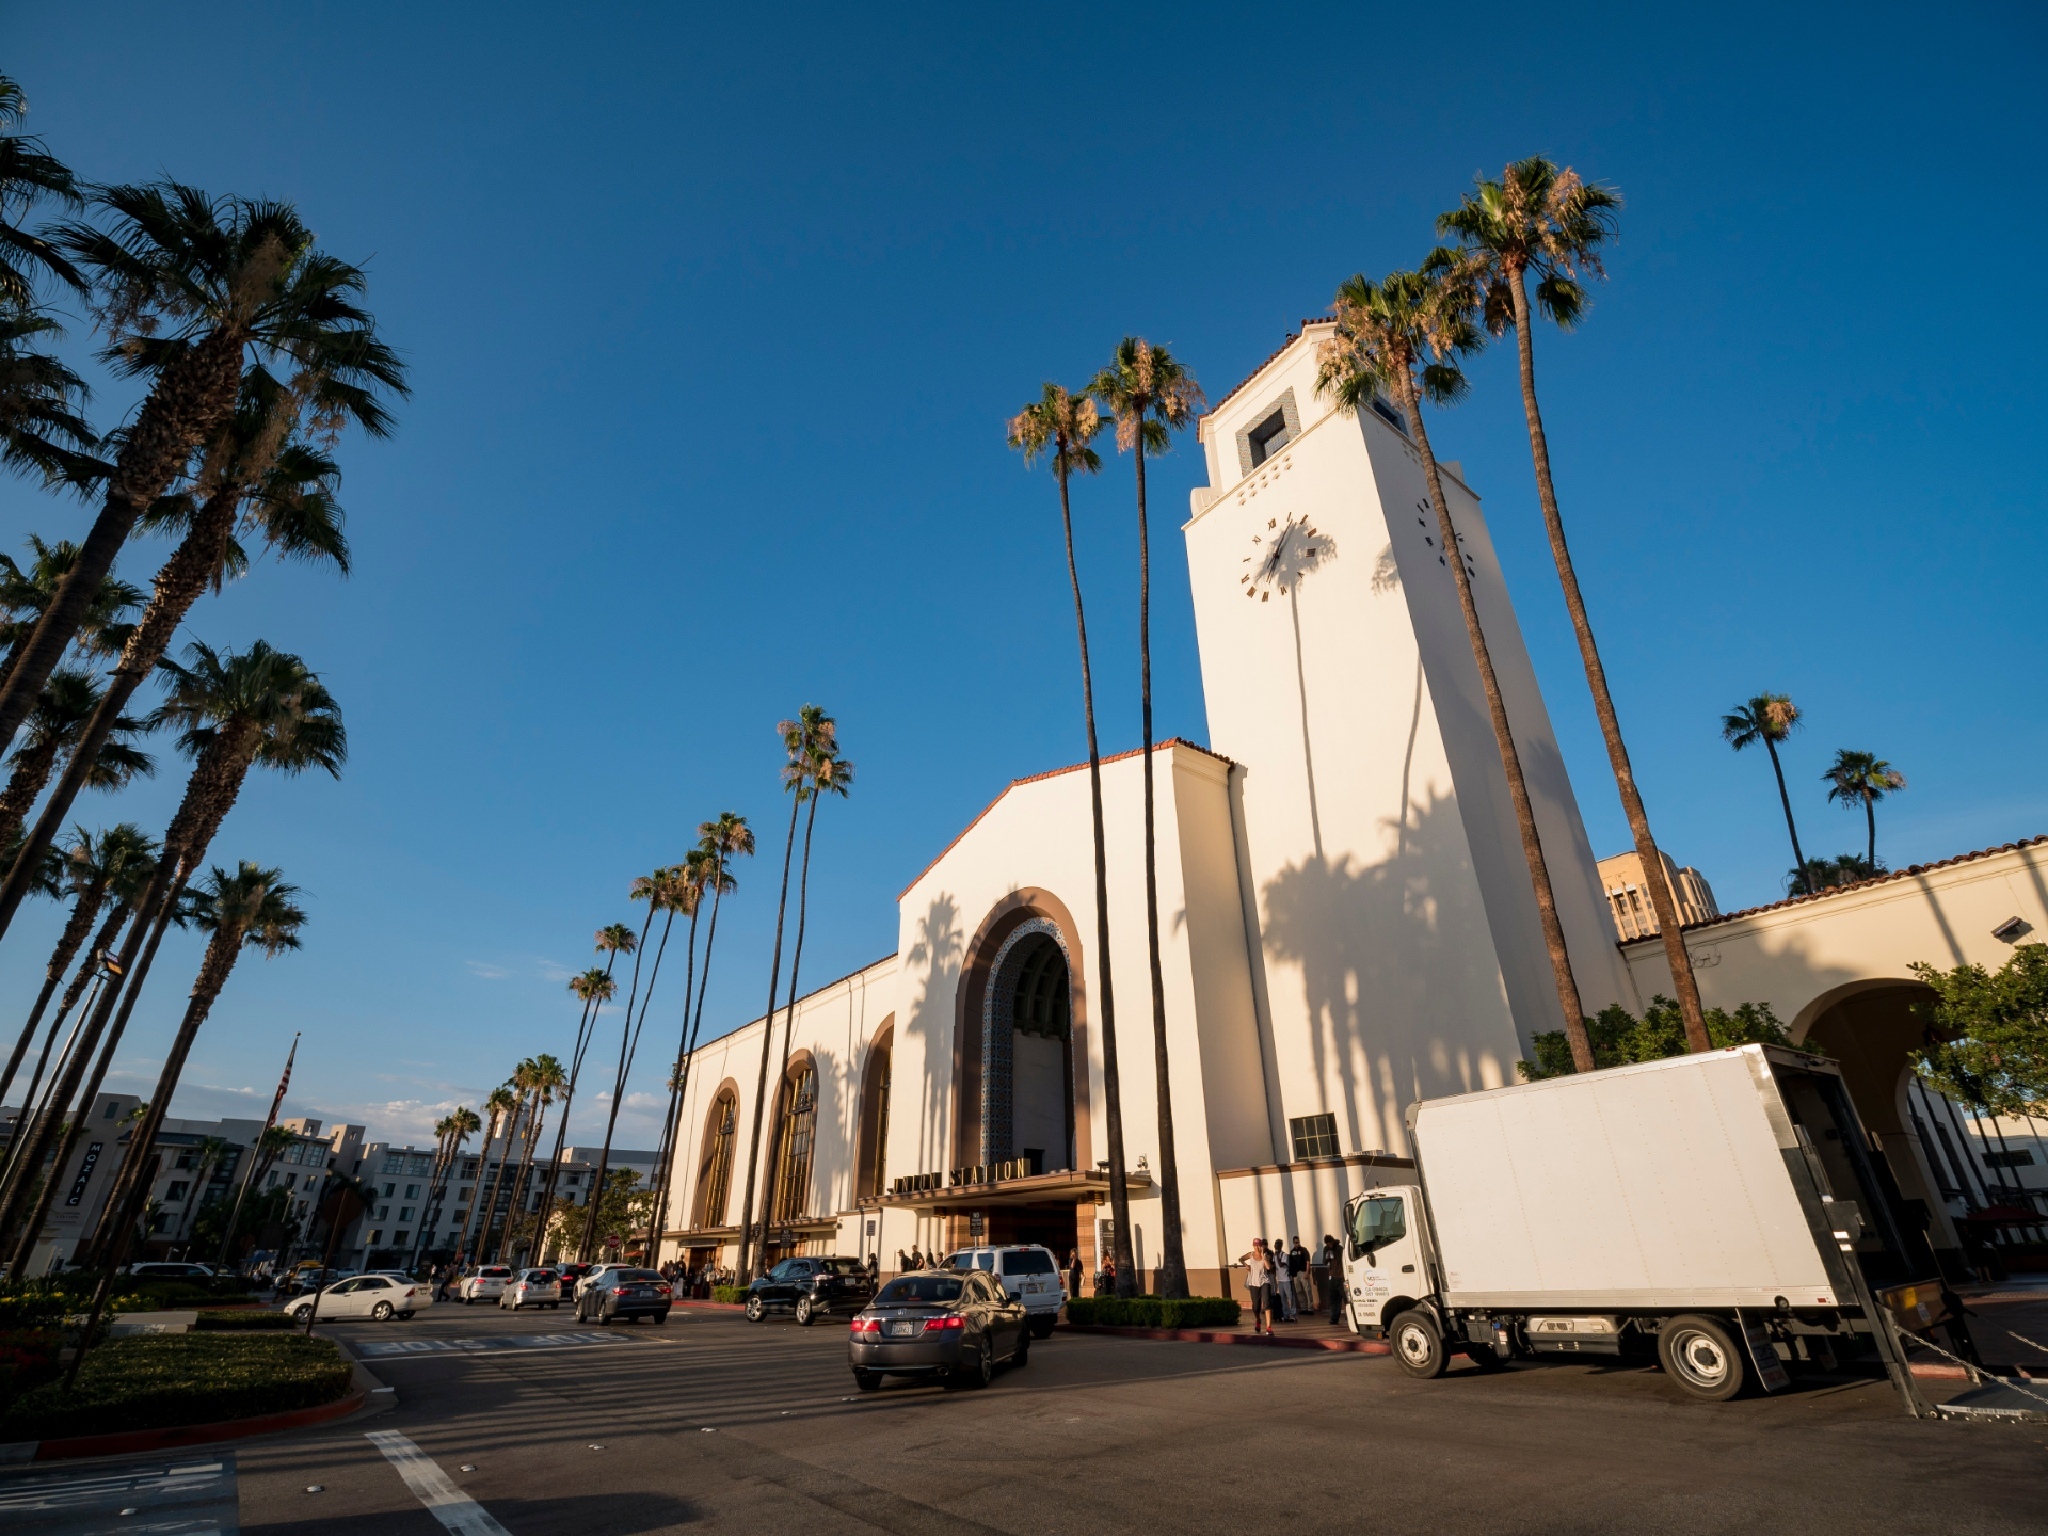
x,y
1396,962
936,958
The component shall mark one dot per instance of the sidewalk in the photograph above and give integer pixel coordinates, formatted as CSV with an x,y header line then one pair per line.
x,y
1312,1332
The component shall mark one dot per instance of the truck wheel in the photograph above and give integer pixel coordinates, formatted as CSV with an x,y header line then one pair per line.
x,y
1417,1345
1702,1356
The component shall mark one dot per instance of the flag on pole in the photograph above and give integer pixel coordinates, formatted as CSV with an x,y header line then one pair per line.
x,y
249,1172
277,1100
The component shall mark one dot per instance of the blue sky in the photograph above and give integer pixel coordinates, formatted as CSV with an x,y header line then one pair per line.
x,y
714,317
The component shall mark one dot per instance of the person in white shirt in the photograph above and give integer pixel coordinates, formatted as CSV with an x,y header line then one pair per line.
x,y
1258,1280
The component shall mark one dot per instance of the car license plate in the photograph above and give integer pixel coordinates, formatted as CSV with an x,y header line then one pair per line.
x,y
901,1330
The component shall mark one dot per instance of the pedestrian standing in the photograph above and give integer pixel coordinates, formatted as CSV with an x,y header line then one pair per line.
x,y
1283,1293
1258,1282
1073,1273
1333,1275
916,1257
1297,1278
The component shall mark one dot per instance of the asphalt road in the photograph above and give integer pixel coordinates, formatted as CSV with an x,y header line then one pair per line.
x,y
713,1424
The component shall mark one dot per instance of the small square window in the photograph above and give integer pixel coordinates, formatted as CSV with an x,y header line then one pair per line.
x,y
1314,1136
1268,437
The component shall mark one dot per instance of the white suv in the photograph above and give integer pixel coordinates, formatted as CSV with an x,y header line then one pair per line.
x,y
1029,1273
486,1284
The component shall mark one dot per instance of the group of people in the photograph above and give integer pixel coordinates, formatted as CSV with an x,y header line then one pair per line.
x,y
1279,1277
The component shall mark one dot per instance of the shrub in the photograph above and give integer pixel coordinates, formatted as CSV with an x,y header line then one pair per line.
x,y
161,1380
219,1320
1153,1312
735,1294
28,1358
38,1304
1619,1039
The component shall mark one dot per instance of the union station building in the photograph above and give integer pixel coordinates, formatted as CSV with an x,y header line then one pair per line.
x,y
1346,924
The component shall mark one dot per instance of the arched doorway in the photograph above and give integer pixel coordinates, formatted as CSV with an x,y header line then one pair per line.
x,y
872,1153
795,1139
1027,1043
714,1165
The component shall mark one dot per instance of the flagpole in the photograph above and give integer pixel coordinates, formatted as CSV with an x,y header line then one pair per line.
x,y
248,1173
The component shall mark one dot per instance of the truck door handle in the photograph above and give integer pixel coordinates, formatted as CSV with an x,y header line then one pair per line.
x,y
1407,1269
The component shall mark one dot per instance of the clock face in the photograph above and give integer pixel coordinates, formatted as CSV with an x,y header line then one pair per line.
x,y
1282,553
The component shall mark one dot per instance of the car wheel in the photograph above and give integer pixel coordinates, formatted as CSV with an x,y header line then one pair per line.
x,y
1041,1327
382,1311
468,1301
804,1315
867,1381
603,1318
405,1317
1701,1355
1022,1354
755,1311
660,1318
1418,1347
300,1314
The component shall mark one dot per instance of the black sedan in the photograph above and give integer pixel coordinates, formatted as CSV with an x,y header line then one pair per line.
x,y
626,1295
957,1327
811,1288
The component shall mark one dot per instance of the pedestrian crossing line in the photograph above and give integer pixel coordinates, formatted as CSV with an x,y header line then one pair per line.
x,y
456,1510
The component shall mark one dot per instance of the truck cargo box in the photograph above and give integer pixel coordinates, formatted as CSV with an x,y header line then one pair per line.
x,y
1670,1184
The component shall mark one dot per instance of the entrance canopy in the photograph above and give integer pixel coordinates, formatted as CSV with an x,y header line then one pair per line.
x,y
1070,1185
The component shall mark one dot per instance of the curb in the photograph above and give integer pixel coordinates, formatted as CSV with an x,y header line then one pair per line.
x,y
712,1306
134,1441
1267,1341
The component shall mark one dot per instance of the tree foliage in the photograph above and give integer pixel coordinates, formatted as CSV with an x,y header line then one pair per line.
x,y
1995,1054
620,1211
1620,1038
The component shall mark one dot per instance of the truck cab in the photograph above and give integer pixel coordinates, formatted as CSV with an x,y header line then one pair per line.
x,y
1386,1270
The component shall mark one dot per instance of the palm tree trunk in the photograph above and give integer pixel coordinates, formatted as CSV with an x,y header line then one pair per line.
x,y
34,1108
746,1272
1510,758
1676,956
1112,1077
583,1029
32,767
664,1157
796,960
626,1042
535,1119
1173,1269
483,1168
136,967
182,578
83,911
1870,816
1784,799
189,403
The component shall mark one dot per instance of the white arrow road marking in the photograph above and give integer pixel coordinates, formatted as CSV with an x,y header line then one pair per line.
x,y
456,1510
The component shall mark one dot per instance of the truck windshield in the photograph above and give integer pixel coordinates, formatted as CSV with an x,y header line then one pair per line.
x,y
1376,1223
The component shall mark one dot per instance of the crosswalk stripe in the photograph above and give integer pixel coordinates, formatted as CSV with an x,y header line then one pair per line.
x,y
456,1510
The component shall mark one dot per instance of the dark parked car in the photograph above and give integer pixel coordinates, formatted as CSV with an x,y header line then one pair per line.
x,y
811,1288
626,1294
957,1327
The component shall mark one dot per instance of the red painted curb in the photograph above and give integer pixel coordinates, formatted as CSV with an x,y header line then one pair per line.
x,y
713,1306
136,1440
1271,1340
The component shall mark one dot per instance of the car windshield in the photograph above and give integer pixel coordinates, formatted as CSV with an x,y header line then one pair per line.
x,y
637,1276
495,1274
1028,1261
910,1290
843,1267
541,1276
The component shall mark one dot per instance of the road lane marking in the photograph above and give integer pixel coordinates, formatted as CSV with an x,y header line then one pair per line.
x,y
193,1498
456,1510
386,1348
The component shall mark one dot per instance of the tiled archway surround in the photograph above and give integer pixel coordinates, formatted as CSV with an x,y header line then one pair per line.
x,y
997,1005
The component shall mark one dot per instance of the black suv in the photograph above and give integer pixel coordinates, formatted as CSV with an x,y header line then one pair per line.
x,y
811,1288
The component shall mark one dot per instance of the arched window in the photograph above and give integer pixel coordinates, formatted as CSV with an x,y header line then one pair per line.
x,y
714,1169
793,1147
874,1119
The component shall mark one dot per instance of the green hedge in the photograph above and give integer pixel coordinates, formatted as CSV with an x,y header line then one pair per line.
x,y
736,1294
1153,1312
28,1358
220,1320
160,1380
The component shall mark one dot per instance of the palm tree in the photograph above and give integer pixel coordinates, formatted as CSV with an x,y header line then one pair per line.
x,y
1769,718
660,891
193,284
259,708
94,867
594,988
1863,778
500,1106
26,594
800,738
691,877
41,429
55,731
450,1133
263,484
253,908
1062,425
1540,222
1404,336
721,840
829,774
29,174
1151,395
544,1079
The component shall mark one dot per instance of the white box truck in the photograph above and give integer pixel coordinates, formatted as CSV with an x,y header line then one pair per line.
x,y
1724,1210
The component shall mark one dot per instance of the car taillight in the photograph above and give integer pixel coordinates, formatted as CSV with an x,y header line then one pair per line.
x,y
943,1324
661,1290
867,1325
618,1290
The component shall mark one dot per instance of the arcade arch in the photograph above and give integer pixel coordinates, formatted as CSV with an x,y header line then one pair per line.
x,y
872,1151
714,1163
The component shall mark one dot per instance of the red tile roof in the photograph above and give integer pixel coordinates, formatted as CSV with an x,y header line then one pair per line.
x,y
1292,338
1888,877
1051,773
